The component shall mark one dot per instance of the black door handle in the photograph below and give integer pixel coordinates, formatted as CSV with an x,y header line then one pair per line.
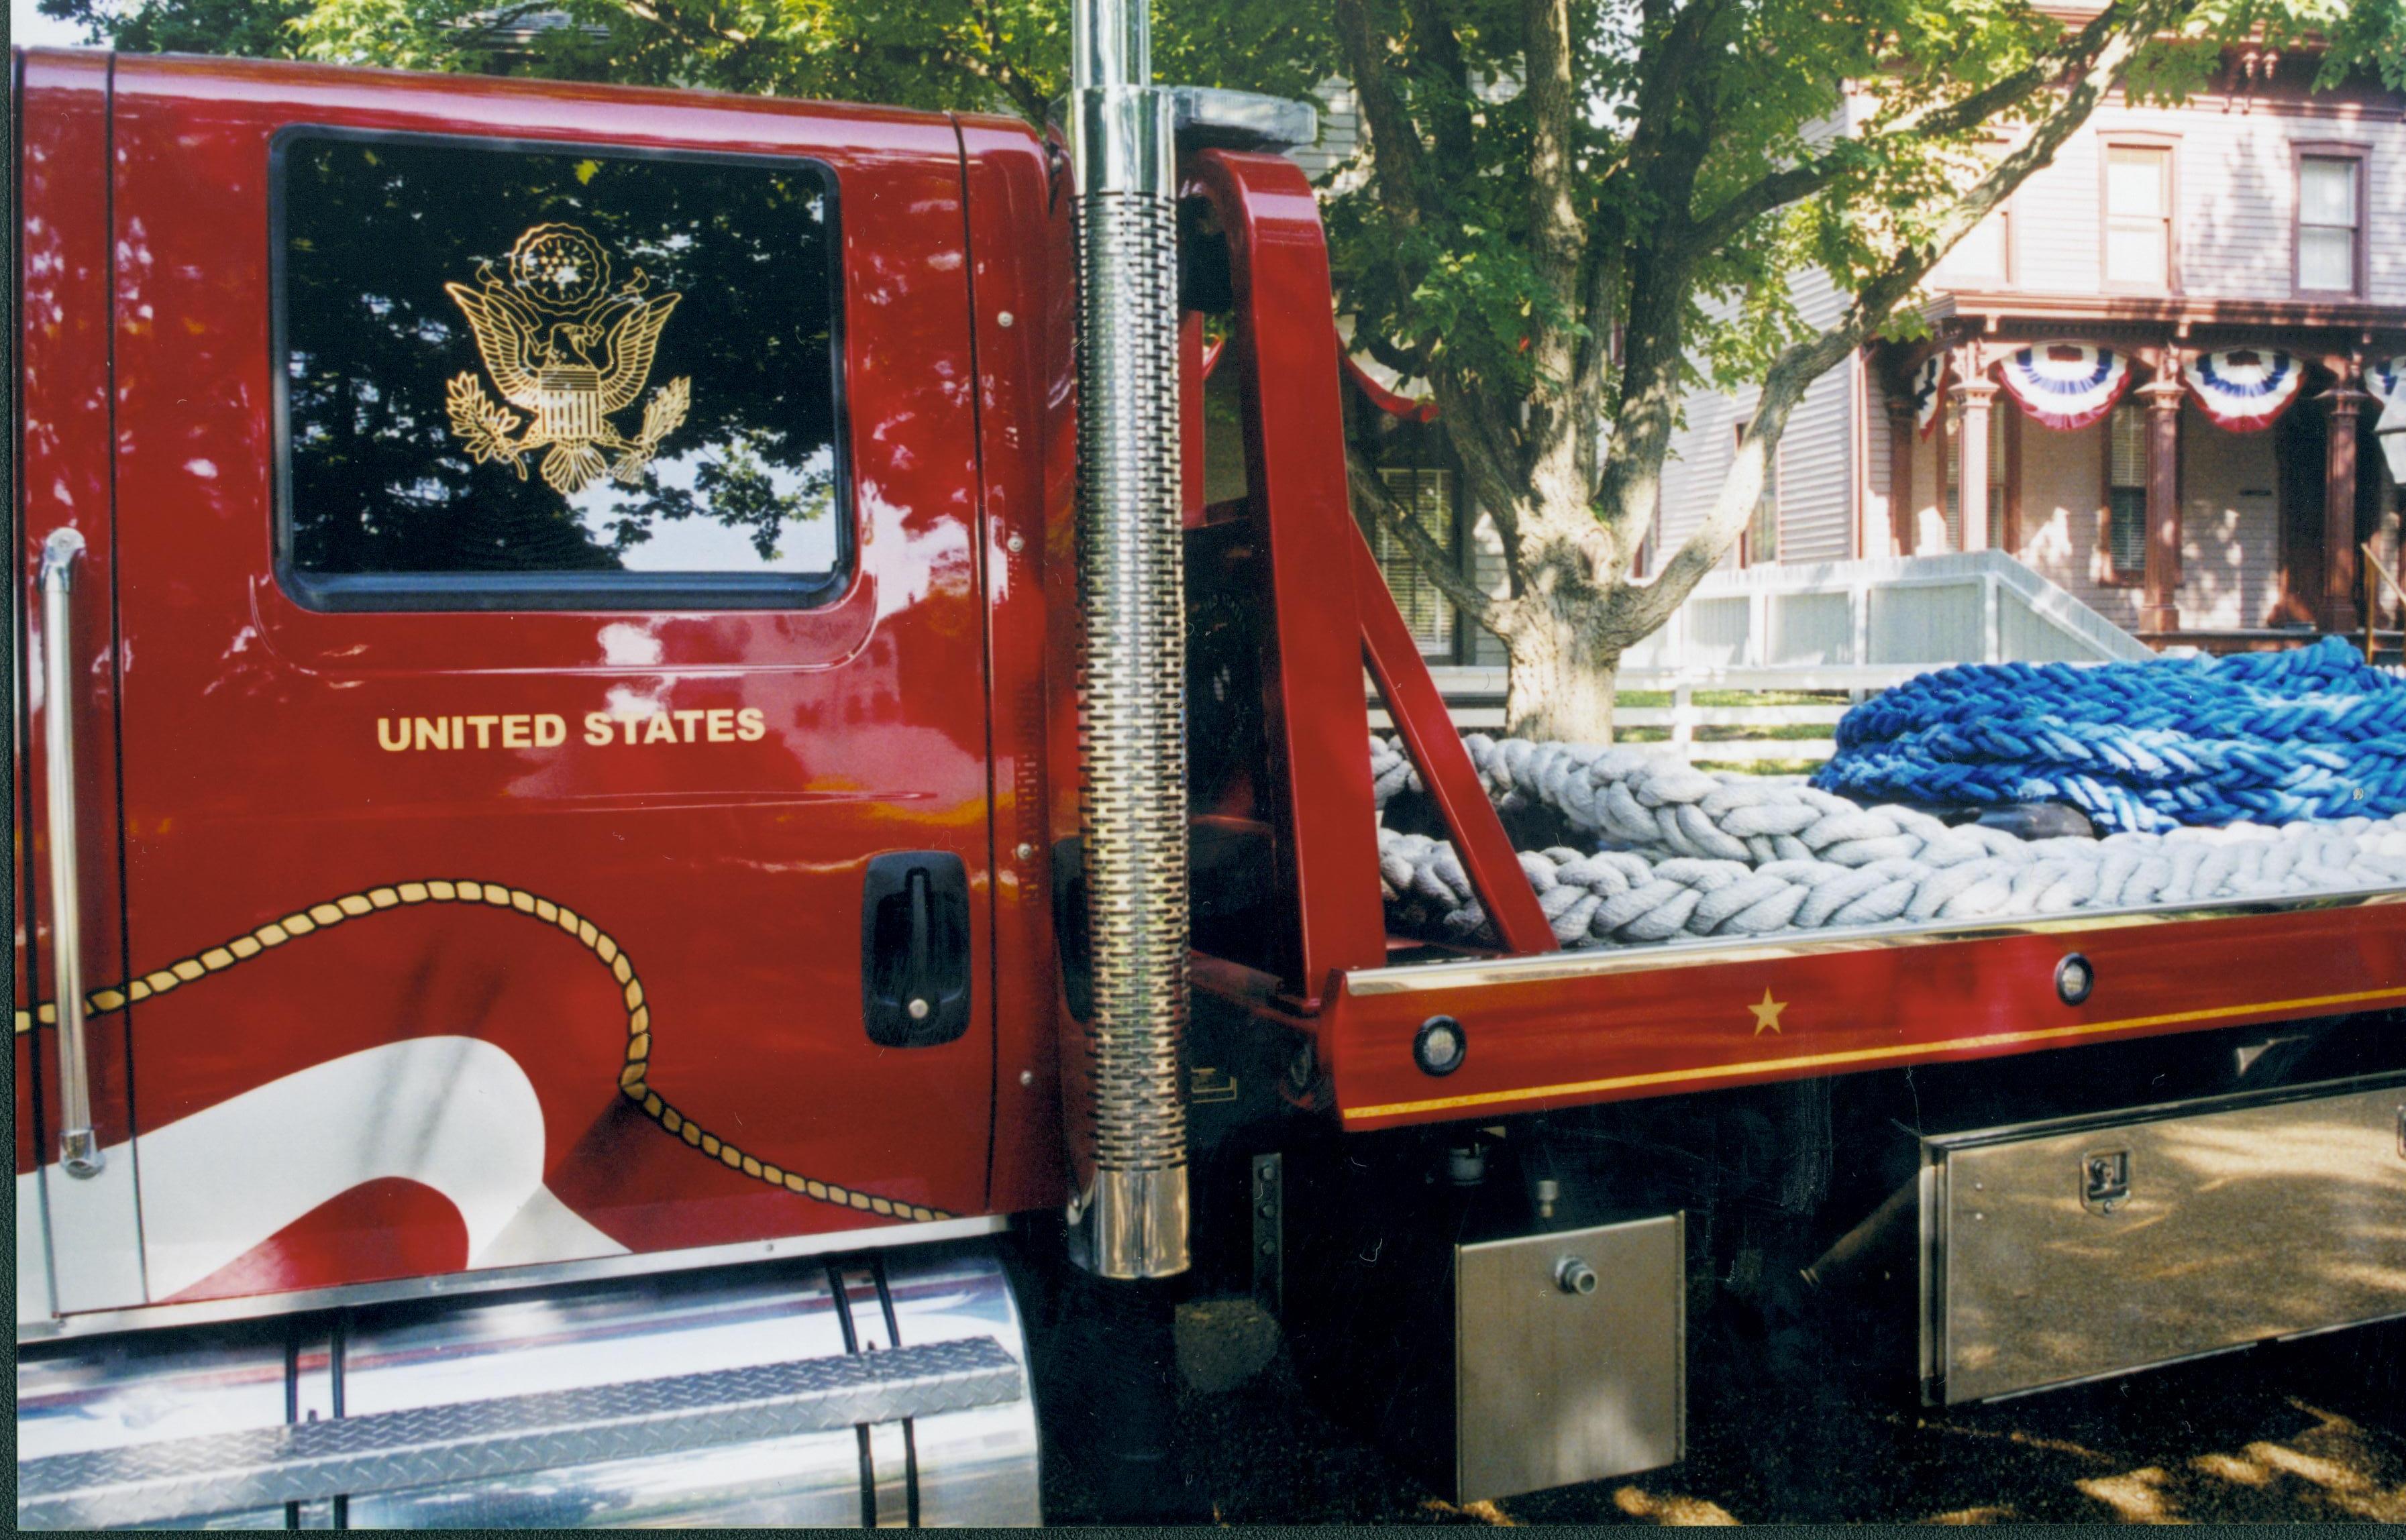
x,y
915,949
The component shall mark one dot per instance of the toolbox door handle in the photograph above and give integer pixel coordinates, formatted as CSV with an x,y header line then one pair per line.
x,y
915,949
79,1150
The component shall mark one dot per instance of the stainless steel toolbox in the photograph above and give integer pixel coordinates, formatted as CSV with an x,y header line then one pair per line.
x,y
2059,1252
1569,1356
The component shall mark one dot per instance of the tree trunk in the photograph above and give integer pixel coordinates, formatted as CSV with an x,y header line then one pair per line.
x,y
1560,683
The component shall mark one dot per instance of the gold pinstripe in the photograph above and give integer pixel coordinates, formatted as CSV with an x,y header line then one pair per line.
x,y
633,1075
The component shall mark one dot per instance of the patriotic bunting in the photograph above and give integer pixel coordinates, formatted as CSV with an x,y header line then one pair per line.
x,y
2385,378
2066,385
1929,392
2244,389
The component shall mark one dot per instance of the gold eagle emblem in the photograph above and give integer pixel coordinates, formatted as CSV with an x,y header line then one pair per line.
x,y
568,351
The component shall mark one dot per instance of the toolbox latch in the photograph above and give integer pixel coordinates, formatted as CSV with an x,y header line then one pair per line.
x,y
2104,1179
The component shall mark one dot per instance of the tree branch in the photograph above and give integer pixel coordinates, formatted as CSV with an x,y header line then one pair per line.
x,y
674,21
1933,121
1634,612
1444,89
1488,457
1024,93
1665,156
1393,142
1410,362
1370,494
1556,238
1556,464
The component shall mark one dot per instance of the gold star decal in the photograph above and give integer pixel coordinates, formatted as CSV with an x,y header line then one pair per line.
x,y
1766,1016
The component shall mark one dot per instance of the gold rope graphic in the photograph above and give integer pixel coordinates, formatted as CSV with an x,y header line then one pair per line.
x,y
632,1078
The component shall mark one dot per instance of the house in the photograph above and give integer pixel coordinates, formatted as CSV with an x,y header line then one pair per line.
x,y
2153,374
2155,368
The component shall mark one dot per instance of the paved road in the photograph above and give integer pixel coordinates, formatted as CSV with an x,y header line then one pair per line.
x,y
2310,1431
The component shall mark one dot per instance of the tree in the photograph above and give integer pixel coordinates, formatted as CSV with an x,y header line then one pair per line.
x,y
1544,174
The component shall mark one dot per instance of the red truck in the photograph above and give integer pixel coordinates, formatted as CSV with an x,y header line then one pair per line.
x,y
608,825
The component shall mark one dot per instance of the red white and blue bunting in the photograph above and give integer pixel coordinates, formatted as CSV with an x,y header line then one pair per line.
x,y
2065,384
2385,378
2244,389
1929,392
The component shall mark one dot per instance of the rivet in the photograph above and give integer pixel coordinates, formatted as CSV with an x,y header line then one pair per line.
x,y
1005,318
1027,1077
918,1010
1025,852
1015,545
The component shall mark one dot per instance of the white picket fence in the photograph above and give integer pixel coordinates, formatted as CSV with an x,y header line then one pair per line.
x,y
1845,629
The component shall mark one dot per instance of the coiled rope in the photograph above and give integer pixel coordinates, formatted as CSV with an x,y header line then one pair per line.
x,y
2310,733
1686,852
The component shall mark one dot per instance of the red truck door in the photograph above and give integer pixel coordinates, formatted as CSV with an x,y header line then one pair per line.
x,y
553,737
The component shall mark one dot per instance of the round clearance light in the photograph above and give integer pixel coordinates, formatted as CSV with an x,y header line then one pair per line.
x,y
1440,1046
2075,979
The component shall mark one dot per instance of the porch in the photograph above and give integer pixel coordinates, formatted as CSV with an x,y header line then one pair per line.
x,y
2200,473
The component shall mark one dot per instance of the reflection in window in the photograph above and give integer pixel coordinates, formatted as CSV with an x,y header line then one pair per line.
x,y
557,378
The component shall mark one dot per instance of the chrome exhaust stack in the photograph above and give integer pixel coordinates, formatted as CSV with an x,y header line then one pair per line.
x,y
1129,1217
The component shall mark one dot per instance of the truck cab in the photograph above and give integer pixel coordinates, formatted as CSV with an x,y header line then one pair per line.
x,y
563,708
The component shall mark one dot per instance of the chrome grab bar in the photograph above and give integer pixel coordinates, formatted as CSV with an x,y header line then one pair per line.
x,y
79,1150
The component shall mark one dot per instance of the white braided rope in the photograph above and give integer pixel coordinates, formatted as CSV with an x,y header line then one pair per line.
x,y
1687,853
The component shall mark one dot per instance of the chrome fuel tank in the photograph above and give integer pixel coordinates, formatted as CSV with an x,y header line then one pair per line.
x,y
130,1403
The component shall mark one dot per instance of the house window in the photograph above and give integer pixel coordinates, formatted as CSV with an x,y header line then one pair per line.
x,y
2137,217
1760,543
2126,494
1986,251
1998,466
2330,223
1427,496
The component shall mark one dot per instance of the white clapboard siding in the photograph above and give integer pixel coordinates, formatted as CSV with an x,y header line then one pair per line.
x,y
2236,180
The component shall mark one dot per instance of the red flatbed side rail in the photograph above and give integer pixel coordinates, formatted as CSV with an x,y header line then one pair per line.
x,y
1598,1026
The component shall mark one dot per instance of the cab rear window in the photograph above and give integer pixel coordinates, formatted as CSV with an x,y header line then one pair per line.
x,y
546,377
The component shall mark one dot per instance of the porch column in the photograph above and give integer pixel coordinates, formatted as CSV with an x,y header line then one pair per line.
x,y
2341,404
2160,609
1979,394
1902,524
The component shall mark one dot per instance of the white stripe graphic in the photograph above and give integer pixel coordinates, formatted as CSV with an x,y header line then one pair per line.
x,y
456,1114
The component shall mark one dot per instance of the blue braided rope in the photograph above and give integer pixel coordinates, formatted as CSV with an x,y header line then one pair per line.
x,y
2270,737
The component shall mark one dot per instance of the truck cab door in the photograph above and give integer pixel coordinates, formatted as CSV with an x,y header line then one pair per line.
x,y
544,526
79,1246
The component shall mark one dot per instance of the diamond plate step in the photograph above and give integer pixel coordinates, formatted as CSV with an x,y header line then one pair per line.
x,y
469,1440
